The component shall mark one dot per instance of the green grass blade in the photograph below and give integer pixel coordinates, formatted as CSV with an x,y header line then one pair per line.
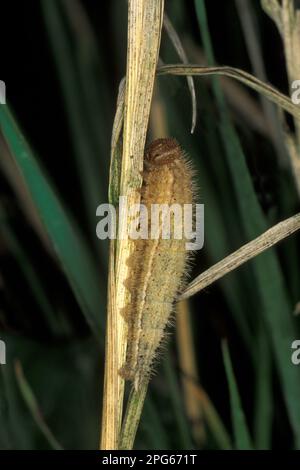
x,y
30,274
269,280
97,100
80,125
263,413
177,404
218,242
70,248
155,434
240,429
33,406
215,424
6,440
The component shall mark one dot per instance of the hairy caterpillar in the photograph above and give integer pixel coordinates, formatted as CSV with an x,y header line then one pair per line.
x,y
157,266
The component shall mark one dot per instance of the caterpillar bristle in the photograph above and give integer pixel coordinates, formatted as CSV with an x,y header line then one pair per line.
x,y
158,268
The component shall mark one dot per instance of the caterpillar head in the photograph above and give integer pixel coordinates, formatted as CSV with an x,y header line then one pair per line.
x,y
162,151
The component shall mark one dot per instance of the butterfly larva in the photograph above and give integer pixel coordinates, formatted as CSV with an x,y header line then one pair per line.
x,y
157,267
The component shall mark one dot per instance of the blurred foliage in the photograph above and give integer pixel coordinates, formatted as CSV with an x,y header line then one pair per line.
x,y
62,67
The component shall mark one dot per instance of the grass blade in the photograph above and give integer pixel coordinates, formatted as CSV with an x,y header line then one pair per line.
x,y
268,91
30,274
33,406
69,71
269,282
252,249
144,34
177,405
240,430
70,248
263,415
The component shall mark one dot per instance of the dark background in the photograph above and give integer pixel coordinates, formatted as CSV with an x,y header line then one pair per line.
x,y
65,368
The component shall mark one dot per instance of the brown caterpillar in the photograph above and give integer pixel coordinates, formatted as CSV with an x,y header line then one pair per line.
x,y
157,266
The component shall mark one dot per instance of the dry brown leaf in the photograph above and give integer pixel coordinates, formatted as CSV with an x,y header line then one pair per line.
x,y
245,253
145,19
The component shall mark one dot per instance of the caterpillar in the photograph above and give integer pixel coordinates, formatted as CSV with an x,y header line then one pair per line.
x,y
157,267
